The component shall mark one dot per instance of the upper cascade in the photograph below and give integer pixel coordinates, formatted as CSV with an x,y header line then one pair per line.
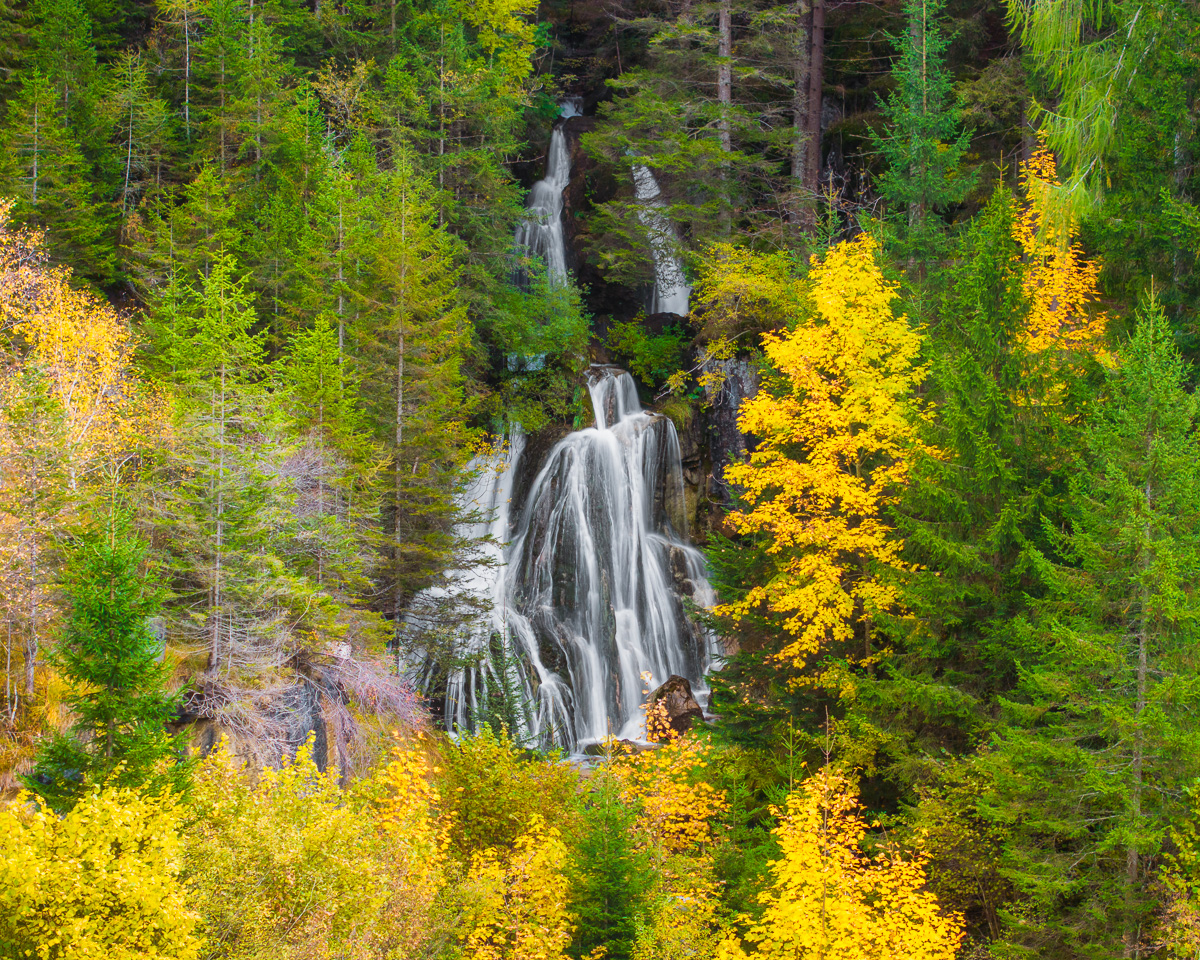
x,y
541,233
672,293
588,596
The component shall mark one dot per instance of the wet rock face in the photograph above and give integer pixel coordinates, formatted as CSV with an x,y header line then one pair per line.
x,y
682,708
726,442
591,184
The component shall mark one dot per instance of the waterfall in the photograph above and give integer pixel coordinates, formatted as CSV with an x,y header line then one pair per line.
x,y
671,289
587,598
540,234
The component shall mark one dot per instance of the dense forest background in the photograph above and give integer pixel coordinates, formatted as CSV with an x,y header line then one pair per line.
x,y
261,311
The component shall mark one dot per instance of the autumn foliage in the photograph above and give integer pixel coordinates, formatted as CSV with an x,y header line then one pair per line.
x,y
1060,280
836,430
830,900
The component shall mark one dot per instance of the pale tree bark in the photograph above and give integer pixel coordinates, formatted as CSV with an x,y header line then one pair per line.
x,y
725,100
401,310
1142,640
816,83
800,58
725,72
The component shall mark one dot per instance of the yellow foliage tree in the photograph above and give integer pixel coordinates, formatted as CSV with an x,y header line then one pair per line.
x,y
683,921
676,808
72,410
522,912
1060,281
293,866
830,901
100,882
836,430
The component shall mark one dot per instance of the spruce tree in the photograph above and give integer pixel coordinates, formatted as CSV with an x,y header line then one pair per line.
x,y
973,506
613,877
43,167
1101,736
922,142
113,659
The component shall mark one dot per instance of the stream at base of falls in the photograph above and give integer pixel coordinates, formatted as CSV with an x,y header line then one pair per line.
x,y
589,581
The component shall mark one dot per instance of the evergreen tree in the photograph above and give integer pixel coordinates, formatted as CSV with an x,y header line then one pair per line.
x,y
1101,737
112,656
973,506
690,113
142,129
43,167
416,385
335,478
219,361
922,143
613,877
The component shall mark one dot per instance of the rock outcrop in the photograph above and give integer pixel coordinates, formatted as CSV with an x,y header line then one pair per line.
x,y
681,706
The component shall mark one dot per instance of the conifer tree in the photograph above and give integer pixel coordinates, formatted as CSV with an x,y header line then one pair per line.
x,y
111,655
973,505
417,384
142,129
335,479
43,167
613,876
219,361
1101,736
922,142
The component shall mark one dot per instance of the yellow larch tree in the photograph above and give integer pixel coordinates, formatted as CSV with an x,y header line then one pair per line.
x,y
829,900
1060,282
836,429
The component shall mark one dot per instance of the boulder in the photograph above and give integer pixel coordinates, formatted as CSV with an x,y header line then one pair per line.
x,y
682,708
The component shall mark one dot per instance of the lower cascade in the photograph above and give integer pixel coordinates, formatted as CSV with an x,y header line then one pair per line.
x,y
588,583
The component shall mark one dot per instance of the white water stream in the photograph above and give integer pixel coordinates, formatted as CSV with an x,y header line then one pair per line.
x,y
587,597
540,234
671,290
585,581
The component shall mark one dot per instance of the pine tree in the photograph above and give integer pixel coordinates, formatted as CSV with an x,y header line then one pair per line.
x,y
1101,736
113,658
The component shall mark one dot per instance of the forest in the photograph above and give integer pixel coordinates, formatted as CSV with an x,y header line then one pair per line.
x,y
599,479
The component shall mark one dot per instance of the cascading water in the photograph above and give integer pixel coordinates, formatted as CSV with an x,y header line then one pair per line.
x,y
541,233
586,579
671,290
588,597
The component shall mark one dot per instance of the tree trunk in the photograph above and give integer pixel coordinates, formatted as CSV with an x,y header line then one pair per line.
x,y
401,307
801,207
724,104
1132,857
816,82
800,92
725,72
